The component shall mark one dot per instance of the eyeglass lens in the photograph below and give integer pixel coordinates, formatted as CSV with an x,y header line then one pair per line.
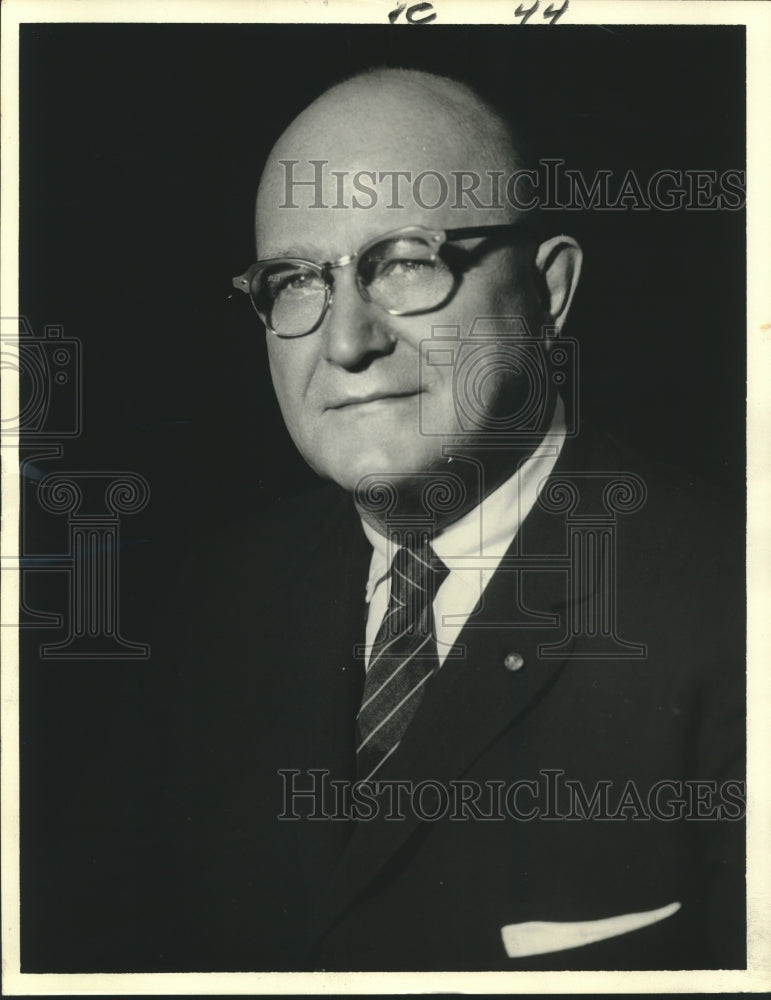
x,y
401,275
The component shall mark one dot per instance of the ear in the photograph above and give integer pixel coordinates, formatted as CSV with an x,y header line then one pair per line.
x,y
559,264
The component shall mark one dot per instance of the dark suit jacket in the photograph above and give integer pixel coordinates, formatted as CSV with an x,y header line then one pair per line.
x,y
269,681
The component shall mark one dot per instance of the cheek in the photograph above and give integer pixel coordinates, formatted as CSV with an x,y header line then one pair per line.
x,y
290,370
506,290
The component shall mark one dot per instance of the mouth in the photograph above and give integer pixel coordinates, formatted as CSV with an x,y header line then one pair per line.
x,y
372,397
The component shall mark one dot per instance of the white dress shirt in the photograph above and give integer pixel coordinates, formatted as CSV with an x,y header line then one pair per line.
x,y
487,531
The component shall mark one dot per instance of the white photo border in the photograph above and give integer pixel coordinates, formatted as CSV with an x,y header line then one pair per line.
x,y
757,977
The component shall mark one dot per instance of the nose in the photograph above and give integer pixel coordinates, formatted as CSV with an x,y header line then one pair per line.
x,y
354,331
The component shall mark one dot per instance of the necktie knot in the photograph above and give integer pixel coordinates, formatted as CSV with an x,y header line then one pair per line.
x,y
417,569
417,574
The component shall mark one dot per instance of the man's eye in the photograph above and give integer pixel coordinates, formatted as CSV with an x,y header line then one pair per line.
x,y
294,284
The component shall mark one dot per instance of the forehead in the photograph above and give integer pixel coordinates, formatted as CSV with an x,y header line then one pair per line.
x,y
344,173
346,215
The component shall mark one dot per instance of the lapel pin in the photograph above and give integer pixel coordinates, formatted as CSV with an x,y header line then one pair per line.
x,y
513,661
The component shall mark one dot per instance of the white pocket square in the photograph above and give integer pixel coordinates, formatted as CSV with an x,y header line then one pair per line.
x,y
537,937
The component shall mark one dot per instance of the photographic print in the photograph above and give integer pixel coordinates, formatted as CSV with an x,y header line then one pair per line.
x,y
375,442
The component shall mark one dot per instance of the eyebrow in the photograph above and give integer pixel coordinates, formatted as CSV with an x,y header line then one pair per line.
x,y
305,253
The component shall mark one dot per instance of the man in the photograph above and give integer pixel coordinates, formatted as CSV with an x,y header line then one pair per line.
x,y
483,713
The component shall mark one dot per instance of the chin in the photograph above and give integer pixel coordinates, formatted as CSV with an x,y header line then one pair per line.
x,y
392,464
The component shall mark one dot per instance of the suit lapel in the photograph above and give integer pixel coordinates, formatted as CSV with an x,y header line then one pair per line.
x,y
327,680
330,677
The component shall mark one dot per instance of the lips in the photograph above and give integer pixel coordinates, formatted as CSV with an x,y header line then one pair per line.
x,y
371,397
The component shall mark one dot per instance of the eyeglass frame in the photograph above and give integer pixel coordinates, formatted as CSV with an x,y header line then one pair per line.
x,y
437,237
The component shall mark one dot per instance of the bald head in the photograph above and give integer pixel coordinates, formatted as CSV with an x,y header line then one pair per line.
x,y
396,108
375,125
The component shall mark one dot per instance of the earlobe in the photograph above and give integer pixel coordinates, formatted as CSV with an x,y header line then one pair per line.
x,y
559,264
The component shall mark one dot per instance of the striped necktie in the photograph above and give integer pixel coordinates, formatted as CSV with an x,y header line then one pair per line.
x,y
403,656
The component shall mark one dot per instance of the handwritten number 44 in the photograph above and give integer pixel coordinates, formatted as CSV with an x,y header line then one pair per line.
x,y
413,12
550,13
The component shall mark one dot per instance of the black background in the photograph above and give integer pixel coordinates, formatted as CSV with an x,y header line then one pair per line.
x,y
141,149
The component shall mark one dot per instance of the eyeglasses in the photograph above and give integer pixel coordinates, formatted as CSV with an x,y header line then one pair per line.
x,y
405,272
